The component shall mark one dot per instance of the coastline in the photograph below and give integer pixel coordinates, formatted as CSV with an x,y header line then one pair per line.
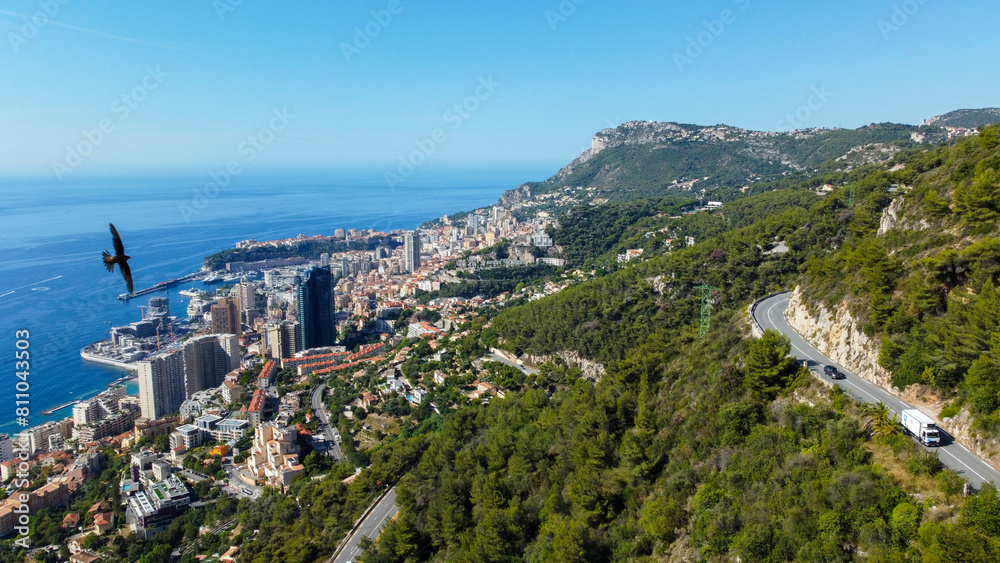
x,y
353,210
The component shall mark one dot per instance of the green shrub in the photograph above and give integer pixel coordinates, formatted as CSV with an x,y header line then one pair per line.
x,y
949,482
949,412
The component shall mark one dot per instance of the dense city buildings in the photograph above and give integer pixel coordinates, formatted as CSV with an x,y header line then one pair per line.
x,y
274,458
118,423
317,323
100,407
43,436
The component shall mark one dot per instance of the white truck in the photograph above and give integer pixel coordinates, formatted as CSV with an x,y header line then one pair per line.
x,y
922,426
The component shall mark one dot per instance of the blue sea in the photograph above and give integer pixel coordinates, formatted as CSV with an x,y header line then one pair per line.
x,y
52,282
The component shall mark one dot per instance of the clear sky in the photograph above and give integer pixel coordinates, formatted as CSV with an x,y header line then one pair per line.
x,y
357,91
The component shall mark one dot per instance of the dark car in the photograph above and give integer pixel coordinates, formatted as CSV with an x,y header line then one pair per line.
x,y
832,372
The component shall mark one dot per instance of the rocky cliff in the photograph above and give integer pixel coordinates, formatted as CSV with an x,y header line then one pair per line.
x,y
837,334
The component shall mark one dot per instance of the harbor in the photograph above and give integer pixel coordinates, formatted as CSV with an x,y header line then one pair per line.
x,y
92,353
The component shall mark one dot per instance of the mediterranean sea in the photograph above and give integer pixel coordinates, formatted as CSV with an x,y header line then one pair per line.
x,y
53,284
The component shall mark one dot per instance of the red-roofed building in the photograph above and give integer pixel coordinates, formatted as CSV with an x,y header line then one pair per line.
x,y
257,406
266,376
71,520
104,522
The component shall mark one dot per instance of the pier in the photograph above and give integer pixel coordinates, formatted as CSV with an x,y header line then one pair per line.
x,y
47,412
160,286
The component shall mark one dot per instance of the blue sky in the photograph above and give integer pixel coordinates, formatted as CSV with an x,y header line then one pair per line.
x,y
200,77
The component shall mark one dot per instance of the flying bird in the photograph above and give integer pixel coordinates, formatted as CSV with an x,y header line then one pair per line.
x,y
119,258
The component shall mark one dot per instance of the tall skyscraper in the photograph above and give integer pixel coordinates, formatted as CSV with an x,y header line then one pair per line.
x,y
411,251
207,360
283,340
161,384
226,317
246,295
317,324
324,259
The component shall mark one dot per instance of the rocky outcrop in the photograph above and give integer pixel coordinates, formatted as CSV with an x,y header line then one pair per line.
x,y
592,370
895,217
511,198
890,216
837,335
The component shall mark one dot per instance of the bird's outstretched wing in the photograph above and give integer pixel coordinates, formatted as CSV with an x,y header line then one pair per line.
x,y
117,241
127,274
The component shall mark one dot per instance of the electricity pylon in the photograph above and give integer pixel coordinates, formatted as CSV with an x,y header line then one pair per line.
x,y
706,308
854,192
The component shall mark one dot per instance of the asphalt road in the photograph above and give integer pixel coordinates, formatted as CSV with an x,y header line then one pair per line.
x,y
496,358
331,435
770,314
370,527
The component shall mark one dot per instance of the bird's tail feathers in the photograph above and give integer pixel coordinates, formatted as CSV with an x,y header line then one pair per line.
x,y
109,261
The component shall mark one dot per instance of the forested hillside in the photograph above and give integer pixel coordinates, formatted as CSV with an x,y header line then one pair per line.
x,y
971,118
709,449
927,286
697,447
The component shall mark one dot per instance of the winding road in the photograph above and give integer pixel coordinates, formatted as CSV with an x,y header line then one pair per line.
x,y
331,435
370,526
769,313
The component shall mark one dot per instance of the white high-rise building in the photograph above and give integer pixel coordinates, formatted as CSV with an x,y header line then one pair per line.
x,y
161,384
100,407
38,437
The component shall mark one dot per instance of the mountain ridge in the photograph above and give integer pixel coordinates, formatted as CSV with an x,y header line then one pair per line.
x,y
641,159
